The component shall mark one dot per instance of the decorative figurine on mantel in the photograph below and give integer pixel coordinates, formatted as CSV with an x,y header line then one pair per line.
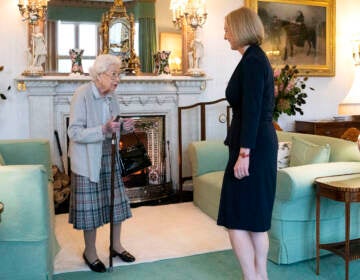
x,y
76,63
37,56
195,55
161,59
34,12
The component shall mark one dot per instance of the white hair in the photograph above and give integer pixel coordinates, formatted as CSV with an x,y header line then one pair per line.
x,y
102,64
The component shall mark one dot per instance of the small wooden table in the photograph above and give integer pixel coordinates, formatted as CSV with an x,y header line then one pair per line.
x,y
344,188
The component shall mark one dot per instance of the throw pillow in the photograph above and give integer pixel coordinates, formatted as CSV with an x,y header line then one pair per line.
x,y
2,162
283,158
304,152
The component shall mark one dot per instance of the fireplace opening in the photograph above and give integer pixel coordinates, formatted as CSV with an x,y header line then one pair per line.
x,y
151,183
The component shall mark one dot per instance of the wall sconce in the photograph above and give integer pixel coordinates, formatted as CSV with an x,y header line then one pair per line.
x,y
33,10
351,103
192,13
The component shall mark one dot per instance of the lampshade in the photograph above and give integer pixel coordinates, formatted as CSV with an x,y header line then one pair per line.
x,y
351,103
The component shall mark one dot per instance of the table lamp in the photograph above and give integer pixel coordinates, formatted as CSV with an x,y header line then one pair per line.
x,y
351,103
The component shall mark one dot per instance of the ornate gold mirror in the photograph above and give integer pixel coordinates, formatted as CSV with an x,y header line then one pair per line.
x,y
117,36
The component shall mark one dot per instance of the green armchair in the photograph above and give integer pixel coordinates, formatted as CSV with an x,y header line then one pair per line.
x,y
27,240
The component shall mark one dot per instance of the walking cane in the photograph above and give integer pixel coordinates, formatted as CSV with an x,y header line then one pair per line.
x,y
113,150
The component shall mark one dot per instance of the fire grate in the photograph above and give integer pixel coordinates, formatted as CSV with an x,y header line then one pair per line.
x,y
151,183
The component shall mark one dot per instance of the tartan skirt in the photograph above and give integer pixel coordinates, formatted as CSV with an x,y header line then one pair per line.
x,y
90,202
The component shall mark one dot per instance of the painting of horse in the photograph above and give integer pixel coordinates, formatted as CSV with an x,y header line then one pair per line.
x,y
297,34
289,36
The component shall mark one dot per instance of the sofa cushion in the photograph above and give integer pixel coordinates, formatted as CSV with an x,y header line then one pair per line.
x,y
25,194
2,162
305,152
283,158
341,150
207,156
207,189
27,151
296,182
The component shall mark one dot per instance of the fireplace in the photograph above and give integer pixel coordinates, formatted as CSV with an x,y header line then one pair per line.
x,y
148,99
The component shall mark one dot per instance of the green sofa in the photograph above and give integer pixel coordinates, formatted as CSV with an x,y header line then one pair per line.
x,y
292,235
27,239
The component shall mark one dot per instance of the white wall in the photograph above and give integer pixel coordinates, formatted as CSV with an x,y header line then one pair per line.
x,y
14,111
218,63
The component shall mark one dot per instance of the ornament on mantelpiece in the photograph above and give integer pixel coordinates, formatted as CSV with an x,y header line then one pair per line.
x,y
76,61
37,56
195,55
161,59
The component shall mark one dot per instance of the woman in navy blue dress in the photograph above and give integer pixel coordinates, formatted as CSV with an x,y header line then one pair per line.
x,y
248,190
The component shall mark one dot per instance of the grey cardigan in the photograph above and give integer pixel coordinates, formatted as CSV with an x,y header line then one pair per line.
x,y
85,130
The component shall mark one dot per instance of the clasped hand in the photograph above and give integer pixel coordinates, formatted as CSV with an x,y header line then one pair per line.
x,y
113,126
128,124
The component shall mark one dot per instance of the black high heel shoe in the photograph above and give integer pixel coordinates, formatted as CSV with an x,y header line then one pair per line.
x,y
96,266
124,256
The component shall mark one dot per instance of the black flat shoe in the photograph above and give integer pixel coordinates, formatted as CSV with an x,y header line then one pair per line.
x,y
96,266
124,256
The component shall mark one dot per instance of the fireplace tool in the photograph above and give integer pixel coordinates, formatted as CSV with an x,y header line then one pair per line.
x,y
62,168
113,151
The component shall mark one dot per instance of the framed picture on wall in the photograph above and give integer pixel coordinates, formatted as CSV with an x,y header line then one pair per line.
x,y
299,32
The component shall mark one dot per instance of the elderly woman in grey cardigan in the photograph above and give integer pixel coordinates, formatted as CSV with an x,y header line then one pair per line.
x,y
92,123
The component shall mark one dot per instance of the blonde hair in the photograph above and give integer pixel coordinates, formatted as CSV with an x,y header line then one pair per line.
x,y
245,26
102,64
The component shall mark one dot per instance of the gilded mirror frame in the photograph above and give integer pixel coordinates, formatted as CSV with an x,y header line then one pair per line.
x,y
117,14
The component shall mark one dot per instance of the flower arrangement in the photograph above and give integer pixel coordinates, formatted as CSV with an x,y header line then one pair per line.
x,y
289,91
161,59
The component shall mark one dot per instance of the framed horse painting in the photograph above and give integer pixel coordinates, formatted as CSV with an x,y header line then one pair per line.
x,y
299,32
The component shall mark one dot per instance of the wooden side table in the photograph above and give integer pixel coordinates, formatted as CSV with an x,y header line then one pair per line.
x,y
344,188
330,128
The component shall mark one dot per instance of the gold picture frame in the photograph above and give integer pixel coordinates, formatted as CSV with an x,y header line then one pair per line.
x,y
299,32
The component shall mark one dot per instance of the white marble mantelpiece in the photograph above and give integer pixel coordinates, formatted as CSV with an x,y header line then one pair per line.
x,y
49,103
129,85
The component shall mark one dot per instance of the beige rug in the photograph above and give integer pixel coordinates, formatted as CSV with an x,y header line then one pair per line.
x,y
153,233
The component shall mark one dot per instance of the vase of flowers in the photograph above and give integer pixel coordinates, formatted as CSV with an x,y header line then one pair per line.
x,y
289,91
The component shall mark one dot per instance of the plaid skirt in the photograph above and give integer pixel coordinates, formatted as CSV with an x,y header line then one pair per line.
x,y
90,201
